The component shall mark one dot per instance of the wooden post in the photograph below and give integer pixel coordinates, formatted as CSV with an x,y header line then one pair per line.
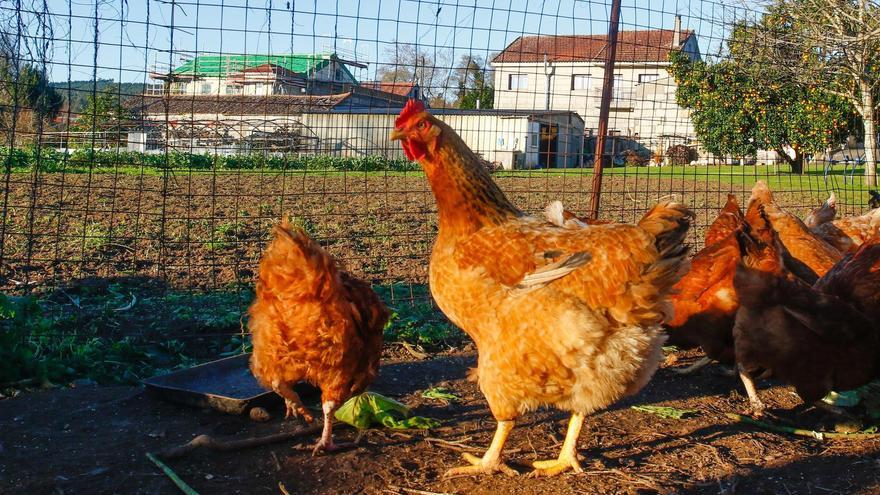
x,y
605,108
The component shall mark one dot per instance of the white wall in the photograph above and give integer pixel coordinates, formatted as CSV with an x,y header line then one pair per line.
x,y
648,113
349,134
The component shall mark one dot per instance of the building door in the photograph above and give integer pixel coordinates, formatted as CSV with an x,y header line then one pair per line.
x,y
549,138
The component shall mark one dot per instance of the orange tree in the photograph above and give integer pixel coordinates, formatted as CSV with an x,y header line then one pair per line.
x,y
737,111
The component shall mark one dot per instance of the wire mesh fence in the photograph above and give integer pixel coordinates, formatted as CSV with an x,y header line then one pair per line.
x,y
150,146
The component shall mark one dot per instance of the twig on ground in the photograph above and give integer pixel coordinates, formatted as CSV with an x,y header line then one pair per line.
x,y
415,491
283,488
75,301
463,447
818,435
230,445
172,475
697,366
412,350
277,462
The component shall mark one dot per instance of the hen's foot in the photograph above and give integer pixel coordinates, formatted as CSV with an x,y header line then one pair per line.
x,y
331,447
480,466
757,409
556,466
296,410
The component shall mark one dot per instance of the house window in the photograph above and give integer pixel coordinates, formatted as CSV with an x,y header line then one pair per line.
x,y
580,82
618,94
206,88
518,81
340,76
233,89
646,78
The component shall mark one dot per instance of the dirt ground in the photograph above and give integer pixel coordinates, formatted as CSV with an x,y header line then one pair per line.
x,y
206,232
94,439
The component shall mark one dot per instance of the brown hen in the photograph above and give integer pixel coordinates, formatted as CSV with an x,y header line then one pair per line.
x,y
704,299
312,322
561,317
815,338
846,234
806,255
726,223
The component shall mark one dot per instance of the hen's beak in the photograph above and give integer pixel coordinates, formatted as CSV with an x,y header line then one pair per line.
x,y
396,134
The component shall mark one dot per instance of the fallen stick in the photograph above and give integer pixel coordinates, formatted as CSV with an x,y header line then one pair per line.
x,y
697,366
211,443
818,435
414,491
462,447
172,475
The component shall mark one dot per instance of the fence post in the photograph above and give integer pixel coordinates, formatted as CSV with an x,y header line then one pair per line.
x,y
605,108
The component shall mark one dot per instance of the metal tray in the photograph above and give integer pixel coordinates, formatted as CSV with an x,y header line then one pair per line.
x,y
226,385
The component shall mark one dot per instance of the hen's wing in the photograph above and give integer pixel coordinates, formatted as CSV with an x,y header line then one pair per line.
x,y
856,278
728,221
709,282
617,268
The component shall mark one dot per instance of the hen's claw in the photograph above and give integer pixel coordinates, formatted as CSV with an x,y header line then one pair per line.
x,y
479,466
553,467
330,447
295,410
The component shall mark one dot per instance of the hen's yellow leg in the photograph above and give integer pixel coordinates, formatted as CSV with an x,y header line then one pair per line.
x,y
491,462
567,456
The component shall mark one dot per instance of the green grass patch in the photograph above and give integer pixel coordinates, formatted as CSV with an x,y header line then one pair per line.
x,y
415,320
113,334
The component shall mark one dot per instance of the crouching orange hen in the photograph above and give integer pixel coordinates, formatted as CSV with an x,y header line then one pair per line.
x,y
561,317
313,322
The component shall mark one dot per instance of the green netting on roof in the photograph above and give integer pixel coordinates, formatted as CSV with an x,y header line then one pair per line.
x,y
221,65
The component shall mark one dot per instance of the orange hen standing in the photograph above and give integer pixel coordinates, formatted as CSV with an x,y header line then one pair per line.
x,y
568,318
705,301
312,322
807,256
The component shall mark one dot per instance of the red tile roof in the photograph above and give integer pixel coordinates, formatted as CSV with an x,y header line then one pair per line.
x,y
397,88
632,46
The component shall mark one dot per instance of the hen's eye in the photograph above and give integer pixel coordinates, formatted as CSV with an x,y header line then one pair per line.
x,y
421,124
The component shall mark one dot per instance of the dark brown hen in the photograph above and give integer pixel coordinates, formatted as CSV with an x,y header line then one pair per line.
x,y
815,338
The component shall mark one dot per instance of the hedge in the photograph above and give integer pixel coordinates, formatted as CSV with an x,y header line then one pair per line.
x,y
49,160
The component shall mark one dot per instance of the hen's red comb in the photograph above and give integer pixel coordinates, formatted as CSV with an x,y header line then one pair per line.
x,y
412,107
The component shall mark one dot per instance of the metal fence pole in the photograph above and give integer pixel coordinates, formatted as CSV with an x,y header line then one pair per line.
x,y
605,108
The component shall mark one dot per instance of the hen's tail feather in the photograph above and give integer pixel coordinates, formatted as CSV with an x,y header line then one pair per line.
x,y
668,222
555,213
293,261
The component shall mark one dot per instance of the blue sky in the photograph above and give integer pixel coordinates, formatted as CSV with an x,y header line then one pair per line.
x,y
134,36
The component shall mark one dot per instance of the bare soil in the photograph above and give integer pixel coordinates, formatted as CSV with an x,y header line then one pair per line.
x,y
94,439
206,231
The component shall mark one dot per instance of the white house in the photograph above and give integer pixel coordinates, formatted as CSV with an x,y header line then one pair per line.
x,y
260,75
566,73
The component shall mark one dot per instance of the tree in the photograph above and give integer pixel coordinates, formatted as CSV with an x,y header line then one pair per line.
x,y
739,111
409,63
26,99
103,111
474,86
836,42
